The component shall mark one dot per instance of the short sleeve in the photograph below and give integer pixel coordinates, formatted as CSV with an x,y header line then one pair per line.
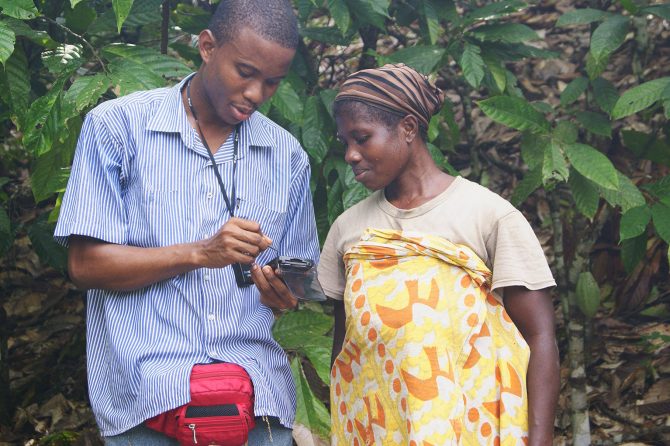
x,y
331,266
516,255
92,205
300,238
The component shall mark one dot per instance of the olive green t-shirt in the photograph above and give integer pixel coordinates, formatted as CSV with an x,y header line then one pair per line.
x,y
465,213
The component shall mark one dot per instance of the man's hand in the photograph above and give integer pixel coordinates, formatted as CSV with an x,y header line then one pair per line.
x,y
238,241
274,292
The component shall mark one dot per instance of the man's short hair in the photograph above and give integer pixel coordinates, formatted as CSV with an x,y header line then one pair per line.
x,y
274,20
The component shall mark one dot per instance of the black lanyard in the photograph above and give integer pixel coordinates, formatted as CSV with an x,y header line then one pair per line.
x,y
236,138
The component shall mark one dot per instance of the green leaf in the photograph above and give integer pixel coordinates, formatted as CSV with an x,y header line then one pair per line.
x,y
440,159
574,90
472,64
634,222
319,356
595,123
340,14
314,124
6,232
429,21
330,34
606,95
129,76
595,67
353,194
74,3
516,51
530,182
497,70
310,412
494,10
64,58
288,103
41,121
80,18
584,193
565,132
532,150
662,11
504,32
328,98
593,165
121,11
294,330
660,189
588,294
371,12
19,9
18,78
627,196
609,36
422,58
50,172
554,167
191,19
41,239
647,146
581,17
21,29
7,40
639,97
160,64
661,216
514,112
86,91
632,251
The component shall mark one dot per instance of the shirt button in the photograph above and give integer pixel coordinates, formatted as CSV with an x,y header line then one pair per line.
x,y
206,277
211,317
209,195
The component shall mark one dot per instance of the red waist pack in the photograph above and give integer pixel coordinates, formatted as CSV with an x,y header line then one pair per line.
x,y
221,411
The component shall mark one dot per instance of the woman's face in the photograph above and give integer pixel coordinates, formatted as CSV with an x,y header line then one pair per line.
x,y
376,154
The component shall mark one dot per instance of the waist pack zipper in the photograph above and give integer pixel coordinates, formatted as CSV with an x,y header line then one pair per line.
x,y
192,427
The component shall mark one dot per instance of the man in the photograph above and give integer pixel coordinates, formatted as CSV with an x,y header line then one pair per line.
x,y
151,236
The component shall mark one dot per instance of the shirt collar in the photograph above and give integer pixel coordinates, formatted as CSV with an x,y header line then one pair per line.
x,y
171,118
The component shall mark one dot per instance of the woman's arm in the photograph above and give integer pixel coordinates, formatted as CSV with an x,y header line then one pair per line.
x,y
339,330
533,314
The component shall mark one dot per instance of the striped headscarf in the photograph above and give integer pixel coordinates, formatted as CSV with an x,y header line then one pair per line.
x,y
396,88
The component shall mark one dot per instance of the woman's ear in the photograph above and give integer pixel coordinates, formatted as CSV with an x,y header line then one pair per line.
x,y
206,44
410,126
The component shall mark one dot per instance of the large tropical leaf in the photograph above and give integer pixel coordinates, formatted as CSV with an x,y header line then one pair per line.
x,y
639,97
340,13
472,64
6,233
370,12
310,412
288,103
609,36
121,11
7,40
41,122
605,94
422,58
128,76
585,194
18,78
86,90
661,216
160,64
494,10
662,11
42,241
514,112
582,16
296,329
574,90
596,123
50,171
593,165
314,129
505,32
627,196
554,167
634,222
19,9
63,58
531,181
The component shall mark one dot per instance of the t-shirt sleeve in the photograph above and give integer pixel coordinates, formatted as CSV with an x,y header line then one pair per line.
x,y
516,255
92,205
331,265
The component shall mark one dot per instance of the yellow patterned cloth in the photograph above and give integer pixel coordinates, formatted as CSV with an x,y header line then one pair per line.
x,y
430,357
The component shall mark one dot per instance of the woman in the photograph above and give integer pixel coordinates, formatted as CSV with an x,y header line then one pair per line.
x,y
444,328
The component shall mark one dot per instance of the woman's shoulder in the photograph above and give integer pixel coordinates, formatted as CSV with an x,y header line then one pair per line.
x,y
482,198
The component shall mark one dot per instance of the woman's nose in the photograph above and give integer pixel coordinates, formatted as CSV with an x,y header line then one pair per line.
x,y
351,155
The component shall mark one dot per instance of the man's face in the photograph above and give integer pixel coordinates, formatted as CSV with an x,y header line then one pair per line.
x,y
241,74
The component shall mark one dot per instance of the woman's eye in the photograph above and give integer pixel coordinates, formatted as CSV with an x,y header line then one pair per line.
x,y
362,139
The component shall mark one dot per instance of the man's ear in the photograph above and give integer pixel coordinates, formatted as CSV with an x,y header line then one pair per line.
x,y
410,127
206,44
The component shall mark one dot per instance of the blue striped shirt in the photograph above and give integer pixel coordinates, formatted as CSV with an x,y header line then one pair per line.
x,y
142,177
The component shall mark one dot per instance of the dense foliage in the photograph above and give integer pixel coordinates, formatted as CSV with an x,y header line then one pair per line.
x,y
61,58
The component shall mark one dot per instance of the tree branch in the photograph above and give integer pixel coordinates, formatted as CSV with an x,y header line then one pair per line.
x,y
165,24
79,37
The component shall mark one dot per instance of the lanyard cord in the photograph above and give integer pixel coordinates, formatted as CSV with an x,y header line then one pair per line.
x,y
236,139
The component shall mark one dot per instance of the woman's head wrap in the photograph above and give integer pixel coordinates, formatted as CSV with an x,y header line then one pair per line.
x,y
396,88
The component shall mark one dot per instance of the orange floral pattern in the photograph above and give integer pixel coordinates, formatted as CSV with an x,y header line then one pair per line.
x,y
430,356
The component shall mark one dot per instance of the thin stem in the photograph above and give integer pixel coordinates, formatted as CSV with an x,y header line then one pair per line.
x,y
165,24
79,37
